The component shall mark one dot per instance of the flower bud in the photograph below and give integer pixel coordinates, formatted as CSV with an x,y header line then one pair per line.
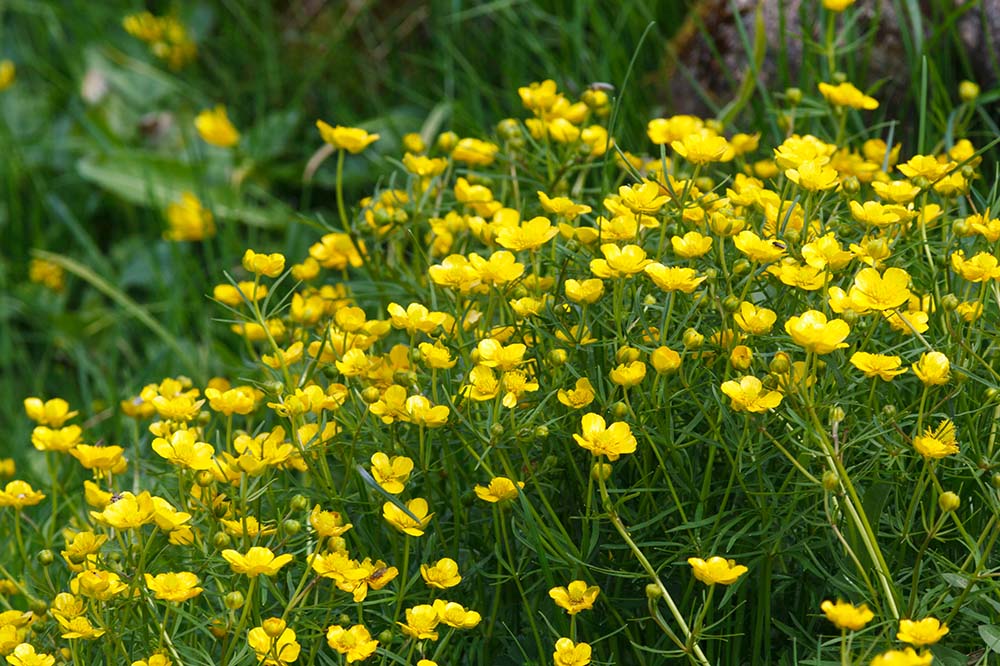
x,y
838,77
995,480
371,395
204,478
299,503
218,628
619,410
693,339
949,501
705,184
496,430
343,618
665,360
541,432
38,607
780,364
792,236
221,540
291,527
889,411
234,600
950,302
968,91
991,394
557,357
741,357
627,355
741,267
837,414
649,300
386,637
830,480
337,544
850,316
793,96
731,303
46,557
653,591
961,228
446,141
851,185
600,471
273,626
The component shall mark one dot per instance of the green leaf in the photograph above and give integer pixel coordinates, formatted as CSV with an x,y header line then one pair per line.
x,y
990,633
153,180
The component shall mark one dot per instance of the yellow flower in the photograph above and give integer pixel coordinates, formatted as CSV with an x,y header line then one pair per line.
x,y
337,251
421,412
127,511
980,268
270,265
675,128
97,584
933,368
391,473
100,458
672,278
814,333
642,198
423,166
352,139
174,587
500,268
258,560
888,291
847,616
937,442
529,235
919,633
665,360
493,354
53,413
576,597
897,191
455,615
826,252
415,318
905,657
757,249
749,395
24,654
629,374
188,220
78,627
8,71
569,653
48,274
483,384
845,94
421,622
754,320
876,213
601,439
327,523
716,570
356,643
703,147
274,643
238,400
813,176
585,292
691,245
800,276
475,152
562,206
19,494
214,128
501,489
247,526
581,395
184,450
442,574
837,5
403,522
877,365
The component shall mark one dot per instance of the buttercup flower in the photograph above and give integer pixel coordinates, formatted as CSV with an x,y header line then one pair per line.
x,y
845,615
937,442
569,653
921,632
814,333
258,560
442,575
575,597
620,262
24,654
274,643
352,139
174,587
754,320
845,94
215,128
19,494
673,278
872,291
421,622
877,365
500,489
716,570
53,413
403,522
749,395
355,643
269,265
600,439
904,657
933,368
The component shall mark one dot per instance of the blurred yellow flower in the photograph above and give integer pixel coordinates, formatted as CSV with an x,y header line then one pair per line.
x,y
921,632
845,94
937,442
215,128
933,368
877,365
569,653
845,615
352,139
355,643
575,597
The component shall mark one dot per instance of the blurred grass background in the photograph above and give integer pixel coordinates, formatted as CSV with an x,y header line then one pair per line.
x,y
90,179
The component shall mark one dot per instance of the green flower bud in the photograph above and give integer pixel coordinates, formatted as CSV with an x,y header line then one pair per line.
x,y
221,540
968,91
793,96
46,557
949,501
299,503
234,600
291,527
653,591
830,481
600,471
